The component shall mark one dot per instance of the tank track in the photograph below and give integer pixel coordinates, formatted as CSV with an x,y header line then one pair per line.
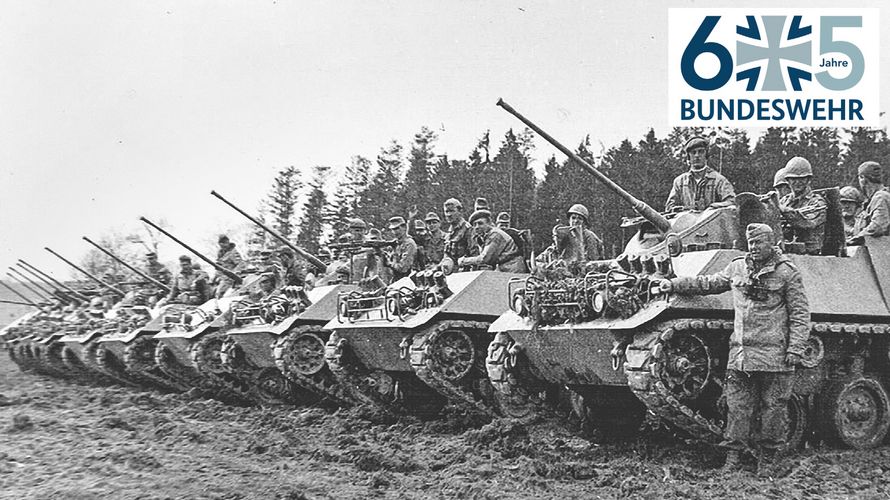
x,y
520,395
112,367
139,360
170,367
322,381
424,360
266,386
215,378
646,361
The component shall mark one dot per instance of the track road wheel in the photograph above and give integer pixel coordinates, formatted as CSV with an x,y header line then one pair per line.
x,y
855,412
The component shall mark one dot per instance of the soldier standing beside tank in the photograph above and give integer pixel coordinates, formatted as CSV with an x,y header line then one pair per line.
x,y
803,211
188,287
701,187
875,219
498,250
229,258
459,239
769,338
851,205
401,260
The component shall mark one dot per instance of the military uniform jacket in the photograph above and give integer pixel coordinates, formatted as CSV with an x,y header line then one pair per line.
x,y
805,221
875,219
772,315
688,193
159,272
229,259
434,247
193,285
500,252
593,245
402,259
459,241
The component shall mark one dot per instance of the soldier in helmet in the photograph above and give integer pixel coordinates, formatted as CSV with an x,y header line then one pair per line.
x,y
875,219
503,220
592,244
575,242
229,258
401,260
851,205
803,211
459,237
498,249
481,204
780,183
772,329
701,187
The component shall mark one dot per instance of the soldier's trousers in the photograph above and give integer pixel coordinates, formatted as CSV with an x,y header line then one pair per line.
x,y
753,397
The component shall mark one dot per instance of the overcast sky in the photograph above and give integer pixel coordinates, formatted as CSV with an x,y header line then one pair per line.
x,y
111,110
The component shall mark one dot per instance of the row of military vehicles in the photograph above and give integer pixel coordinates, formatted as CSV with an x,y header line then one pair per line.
x,y
503,345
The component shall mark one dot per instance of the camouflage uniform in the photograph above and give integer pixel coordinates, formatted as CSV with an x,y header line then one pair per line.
x,y
805,219
500,252
875,219
698,195
772,318
401,261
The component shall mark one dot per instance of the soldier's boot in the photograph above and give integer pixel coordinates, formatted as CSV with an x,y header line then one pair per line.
x,y
733,461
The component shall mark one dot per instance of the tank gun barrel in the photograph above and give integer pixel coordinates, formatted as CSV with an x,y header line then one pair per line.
x,y
16,292
54,291
59,284
15,302
21,281
44,294
315,261
128,266
641,207
75,266
230,274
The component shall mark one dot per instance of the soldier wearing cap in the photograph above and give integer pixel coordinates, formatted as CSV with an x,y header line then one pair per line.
x,y
435,248
780,183
357,228
498,249
266,285
701,187
422,239
228,258
803,211
769,338
851,206
481,204
155,269
875,219
401,260
188,287
459,237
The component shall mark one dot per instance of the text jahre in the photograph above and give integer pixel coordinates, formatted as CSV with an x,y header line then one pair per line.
x,y
833,63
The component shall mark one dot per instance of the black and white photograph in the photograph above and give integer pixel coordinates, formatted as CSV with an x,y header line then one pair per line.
x,y
300,250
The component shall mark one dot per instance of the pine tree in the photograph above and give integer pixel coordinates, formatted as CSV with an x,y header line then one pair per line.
x,y
549,203
511,187
380,201
417,190
350,191
769,155
312,223
282,200
821,146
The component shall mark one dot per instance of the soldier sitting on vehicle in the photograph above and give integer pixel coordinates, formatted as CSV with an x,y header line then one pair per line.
x,y
292,271
701,187
421,238
803,211
499,251
503,220
875,219
435,246
188,287
459,237
780,183
228,258
851,205
400,261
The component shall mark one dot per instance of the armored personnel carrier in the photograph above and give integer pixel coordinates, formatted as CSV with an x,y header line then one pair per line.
x,y
608,334
418,343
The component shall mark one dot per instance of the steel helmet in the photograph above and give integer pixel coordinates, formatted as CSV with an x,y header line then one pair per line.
x,y
779,178
849,193
579,209
798,167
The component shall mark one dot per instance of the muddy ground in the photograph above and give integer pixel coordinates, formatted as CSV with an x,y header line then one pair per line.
x,y
63,440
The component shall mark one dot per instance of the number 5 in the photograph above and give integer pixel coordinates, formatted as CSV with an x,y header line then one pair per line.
x,y
827,44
